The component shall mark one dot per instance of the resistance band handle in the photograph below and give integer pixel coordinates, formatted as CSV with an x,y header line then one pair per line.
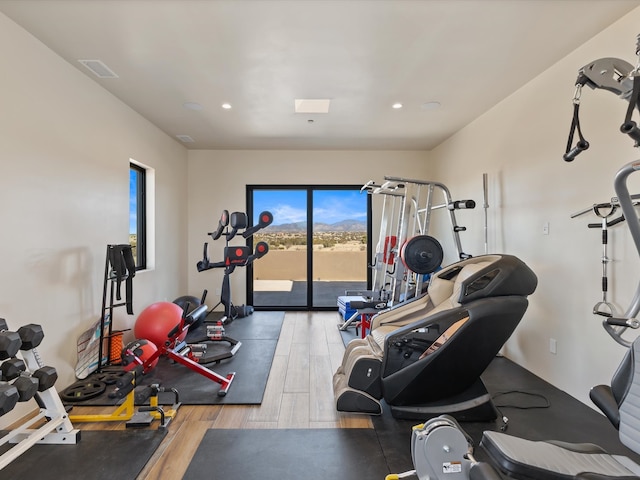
x,y
617,322
631,129
571,155
613,222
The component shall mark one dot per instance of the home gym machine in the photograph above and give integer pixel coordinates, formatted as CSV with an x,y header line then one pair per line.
x,y
406,254
165,325
440,447
621,78
234,256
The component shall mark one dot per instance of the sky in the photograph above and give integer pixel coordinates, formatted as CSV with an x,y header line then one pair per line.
x,y
132,201
329,206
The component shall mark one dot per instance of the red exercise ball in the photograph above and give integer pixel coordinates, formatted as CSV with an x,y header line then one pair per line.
x,y
156,322
139,352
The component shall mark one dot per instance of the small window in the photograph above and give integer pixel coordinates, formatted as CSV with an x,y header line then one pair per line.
x,y
137,215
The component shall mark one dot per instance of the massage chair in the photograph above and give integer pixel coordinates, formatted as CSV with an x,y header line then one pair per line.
x,y
429,362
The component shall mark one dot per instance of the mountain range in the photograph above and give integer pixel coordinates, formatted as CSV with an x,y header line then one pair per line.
x,y
341,226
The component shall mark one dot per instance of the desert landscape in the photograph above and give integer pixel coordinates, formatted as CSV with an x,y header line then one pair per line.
x,y
337,256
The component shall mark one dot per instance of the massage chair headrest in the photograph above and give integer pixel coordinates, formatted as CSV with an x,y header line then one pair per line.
x,y
482,276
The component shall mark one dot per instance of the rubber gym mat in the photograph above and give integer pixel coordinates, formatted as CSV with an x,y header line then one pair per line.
x,y
315,454
99,455
259,335
565,419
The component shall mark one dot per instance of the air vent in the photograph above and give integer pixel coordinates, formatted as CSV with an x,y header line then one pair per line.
x,y
98,68
185,138
312,105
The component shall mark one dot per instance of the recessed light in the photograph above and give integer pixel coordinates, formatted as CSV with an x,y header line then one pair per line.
x,y
185,138
226,106
396,106
192,106
430,105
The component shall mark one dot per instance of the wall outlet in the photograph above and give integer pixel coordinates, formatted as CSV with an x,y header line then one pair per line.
x,y
553,346
218,291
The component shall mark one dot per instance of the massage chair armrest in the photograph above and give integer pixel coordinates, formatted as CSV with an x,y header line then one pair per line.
x,y
603,397
398,313
436,322
408,344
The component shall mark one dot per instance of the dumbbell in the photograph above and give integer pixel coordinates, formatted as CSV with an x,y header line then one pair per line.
x,y
10,342
31,336
8,397
12,368
46,376
27,387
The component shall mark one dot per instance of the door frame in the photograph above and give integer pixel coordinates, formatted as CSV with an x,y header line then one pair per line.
x,y
310,188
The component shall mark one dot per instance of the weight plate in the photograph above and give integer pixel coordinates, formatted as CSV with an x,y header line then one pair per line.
x,y
84,390
422,254
109,378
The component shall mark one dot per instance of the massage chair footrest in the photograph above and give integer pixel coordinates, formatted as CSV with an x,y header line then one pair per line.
x,y
354,401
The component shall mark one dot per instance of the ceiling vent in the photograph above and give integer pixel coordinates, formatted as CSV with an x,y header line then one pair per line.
x,y
312,105
98,68
185,138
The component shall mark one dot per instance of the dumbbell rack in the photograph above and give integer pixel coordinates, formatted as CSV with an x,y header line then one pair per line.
x,y
51,425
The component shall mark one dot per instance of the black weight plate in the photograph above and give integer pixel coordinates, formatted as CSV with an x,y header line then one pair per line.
x,y
83,390
109,378
422,254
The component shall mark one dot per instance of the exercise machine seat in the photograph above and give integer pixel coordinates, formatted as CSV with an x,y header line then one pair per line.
x,y
554,460
549,460
432,365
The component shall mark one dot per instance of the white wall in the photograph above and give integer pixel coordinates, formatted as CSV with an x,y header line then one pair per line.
x,y
65,145
217,181
520,143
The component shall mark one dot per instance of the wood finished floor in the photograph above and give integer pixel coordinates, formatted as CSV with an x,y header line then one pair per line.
x,y
299,394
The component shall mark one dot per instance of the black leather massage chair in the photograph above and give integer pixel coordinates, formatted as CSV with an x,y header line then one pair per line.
x,y
429,362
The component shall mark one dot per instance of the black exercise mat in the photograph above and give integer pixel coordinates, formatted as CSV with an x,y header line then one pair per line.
x,y
566,419
316,454
99,455
258,333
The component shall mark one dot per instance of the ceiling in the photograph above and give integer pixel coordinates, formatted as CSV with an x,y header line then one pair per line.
x,y
362,55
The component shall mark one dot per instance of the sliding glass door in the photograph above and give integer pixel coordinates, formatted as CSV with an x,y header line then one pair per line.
x,y
319,245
